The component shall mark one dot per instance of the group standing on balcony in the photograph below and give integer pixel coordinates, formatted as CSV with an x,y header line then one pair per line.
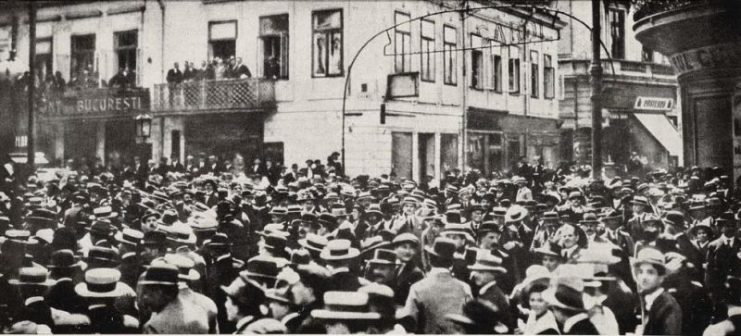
x,y
232,68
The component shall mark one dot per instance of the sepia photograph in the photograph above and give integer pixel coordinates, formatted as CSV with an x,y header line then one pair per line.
x,y
491,167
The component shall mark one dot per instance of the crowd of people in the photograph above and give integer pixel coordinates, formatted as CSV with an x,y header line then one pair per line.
x,y
308,250
231,68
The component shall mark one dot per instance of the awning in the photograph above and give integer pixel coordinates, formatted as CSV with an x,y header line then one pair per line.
x,y
660,128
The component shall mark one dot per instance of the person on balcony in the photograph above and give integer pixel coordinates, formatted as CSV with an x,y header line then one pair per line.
x,y
174,75
240,70
188,72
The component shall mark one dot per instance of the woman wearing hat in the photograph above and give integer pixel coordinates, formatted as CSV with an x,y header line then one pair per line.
x,y
406,246
540,320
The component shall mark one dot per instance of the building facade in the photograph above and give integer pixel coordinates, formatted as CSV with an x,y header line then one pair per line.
x,y
446,91
702,40
640,93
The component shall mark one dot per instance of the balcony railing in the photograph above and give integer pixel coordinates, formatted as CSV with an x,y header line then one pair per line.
x,y
620,68
645,8
231,94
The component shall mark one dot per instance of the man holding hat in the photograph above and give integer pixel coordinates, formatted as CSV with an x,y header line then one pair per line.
x,y
438,294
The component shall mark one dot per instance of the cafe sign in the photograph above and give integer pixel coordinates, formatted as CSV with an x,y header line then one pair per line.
x,y
96,103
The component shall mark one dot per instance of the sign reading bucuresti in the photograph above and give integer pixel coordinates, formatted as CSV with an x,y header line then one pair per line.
x,y
95,103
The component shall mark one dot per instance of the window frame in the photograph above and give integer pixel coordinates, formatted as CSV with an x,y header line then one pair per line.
x,y
430,54
404,56
74,53
512,87
341,29
50,54
546,76
534,74
210,40
285,44
495,68
117,48
480,85
454,72
621,29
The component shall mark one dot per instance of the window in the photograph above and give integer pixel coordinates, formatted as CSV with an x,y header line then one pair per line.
x,y
274,37
477,63
450,55
617,32
514,70
222,39
647,55
327,43
427,38
534,74
44,48
402,43
496,67
125,44
549,77
83,56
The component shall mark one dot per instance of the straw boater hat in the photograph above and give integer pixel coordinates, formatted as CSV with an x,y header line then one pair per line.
x,y
515,214
339,249
443,249
32,276
313,242
262,269
405,238
101,283
383,257
160,273
185,267
487,262
351,306
640,200
130,237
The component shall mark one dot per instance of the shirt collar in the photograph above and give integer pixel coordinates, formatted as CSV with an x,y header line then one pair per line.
x,y
33,300
486,287
651,297
571,321
734,310
339,270
244,321
438,270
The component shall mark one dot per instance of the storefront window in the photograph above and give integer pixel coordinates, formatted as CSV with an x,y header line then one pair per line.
x,y
448,153
401,154
485,151
274,37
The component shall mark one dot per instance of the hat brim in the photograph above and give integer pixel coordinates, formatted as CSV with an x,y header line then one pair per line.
x,y
82,290
484,268
306,245
324,314
549,295
351,253
46,283
192,275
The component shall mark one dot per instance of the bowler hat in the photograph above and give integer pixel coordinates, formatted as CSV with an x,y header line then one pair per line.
x,y
102,227
160,273
62,259
443,248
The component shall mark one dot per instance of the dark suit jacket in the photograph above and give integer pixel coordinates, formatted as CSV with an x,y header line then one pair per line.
x,y
583,327
664,318
345,281
62,296
721,262
497,297
408,276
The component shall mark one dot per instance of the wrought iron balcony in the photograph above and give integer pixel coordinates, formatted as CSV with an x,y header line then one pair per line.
x,y
645,8
214,95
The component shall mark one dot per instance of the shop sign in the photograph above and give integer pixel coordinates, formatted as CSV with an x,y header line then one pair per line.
x,y
98,102
653,103
715,56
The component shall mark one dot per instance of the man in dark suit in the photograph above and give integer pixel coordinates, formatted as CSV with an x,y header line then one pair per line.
x,y
566,300
438,294
484,274
722,259
406,246
660,312
174,75
615,233
62,295
338,255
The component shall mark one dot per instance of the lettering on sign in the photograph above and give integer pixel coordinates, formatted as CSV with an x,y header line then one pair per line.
x,y
97,102
653,103
715,56
108,104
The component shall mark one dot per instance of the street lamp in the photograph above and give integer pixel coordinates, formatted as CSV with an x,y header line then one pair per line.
x,y
143,126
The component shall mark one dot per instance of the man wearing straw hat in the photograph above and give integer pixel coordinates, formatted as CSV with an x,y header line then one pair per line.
x,y
100,290
660,312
